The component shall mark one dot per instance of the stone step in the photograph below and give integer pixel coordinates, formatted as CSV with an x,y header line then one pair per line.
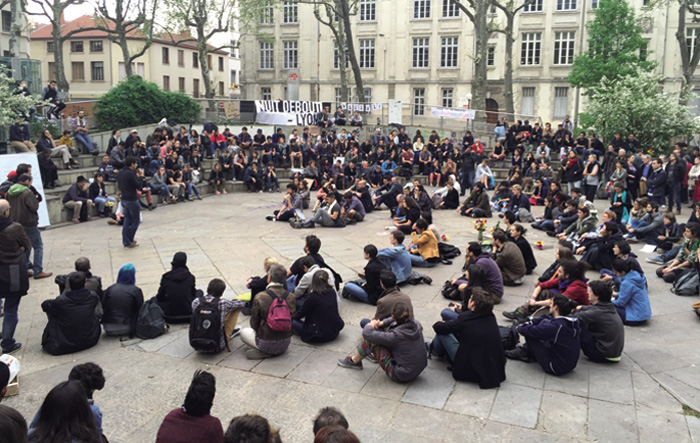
x,y
84,161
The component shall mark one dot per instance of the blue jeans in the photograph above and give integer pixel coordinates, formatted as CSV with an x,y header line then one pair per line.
x,y
675,196
85,140
297,326
546,225
35,238
419,262
448,314
445,346
364,322
9,322
132,213
270,181
102,201
292,283
355,291
622,312
191,187
636,223
162,189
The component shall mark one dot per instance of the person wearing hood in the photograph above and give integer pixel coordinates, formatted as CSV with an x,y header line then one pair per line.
x,y
602,333
396,343
177,291
122,302
570,282
24,209
472,343
553,340
14,282
632,302
74,319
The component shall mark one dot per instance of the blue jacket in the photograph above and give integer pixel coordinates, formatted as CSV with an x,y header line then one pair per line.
x,y
560,336
19,133
633,297
398,259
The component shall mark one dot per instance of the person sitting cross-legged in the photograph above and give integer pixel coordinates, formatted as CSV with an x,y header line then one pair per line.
x,y
426,253
177,291
397,344
328,217
509,259
472,343
318,319
292,205
122,303
632,302
390,296
368,289
228,309
602,332
397,257
264,341
74,319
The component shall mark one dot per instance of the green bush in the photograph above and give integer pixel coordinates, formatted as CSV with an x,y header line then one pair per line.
x,y
138,102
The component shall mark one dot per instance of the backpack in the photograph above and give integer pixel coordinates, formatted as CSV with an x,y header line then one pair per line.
x,y
206,327
278,317
509,337
450,291
150,322
448,251
687,284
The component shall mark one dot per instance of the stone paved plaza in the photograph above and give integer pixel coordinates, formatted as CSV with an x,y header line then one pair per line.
x,y
639,399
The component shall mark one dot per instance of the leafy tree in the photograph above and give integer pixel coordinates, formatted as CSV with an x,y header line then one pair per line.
x,y
637,104
11,103
616,47
138,102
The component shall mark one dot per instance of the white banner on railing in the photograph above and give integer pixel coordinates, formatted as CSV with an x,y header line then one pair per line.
x,y
369,107
437,111
286,112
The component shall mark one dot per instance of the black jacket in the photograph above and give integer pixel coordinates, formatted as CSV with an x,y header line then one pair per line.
x,y
73,322
605,326
176,293
480,357
322,322
121,306
373,287
528,256
128,184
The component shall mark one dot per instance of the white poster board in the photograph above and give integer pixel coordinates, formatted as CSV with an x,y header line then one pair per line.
x,y
9,163
437,111
396,112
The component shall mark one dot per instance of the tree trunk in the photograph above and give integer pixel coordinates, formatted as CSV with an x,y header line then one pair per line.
x,y
479,82
126,54
342,57
16,27
508,75
357,73
59,71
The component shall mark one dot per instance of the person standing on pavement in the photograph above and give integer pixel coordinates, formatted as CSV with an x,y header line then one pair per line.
x,y
24,210
129,185
14,282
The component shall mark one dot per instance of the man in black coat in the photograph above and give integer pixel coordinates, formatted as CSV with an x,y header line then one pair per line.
x,y
472,343
74,319
177,291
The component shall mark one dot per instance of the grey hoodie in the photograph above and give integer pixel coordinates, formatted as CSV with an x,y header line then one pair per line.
x,y
406,344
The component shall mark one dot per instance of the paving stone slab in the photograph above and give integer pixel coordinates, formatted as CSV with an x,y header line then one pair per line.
x,y
351,381
379,385
573,383
469,399
648,392
616,388
430,389
525,374
238,360
661,426
179,348
564,415
612,422
684,393
282,365
433,423
694,427
316,367
516,405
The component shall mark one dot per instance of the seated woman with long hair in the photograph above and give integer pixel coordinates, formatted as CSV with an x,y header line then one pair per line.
x,y
318,319
65,416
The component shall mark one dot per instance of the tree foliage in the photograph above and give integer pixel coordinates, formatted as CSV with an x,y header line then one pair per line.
x,y
11,103
616,47
138,102
637,104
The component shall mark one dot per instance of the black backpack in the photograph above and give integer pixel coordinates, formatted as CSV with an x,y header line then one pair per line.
x,y
448,251
150,322
509,337
205,327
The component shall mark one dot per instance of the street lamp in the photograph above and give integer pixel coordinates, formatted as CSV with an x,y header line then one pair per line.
x,y
469,106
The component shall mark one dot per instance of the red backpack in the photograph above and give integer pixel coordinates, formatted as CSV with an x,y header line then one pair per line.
x,y
278,317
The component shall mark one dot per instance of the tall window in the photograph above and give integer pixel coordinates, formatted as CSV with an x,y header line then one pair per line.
x,y
290,54
367,54
368,94
95,45
448,52
221,64
421,52
195,60
561,102
338,95
530,49
535,6
594,4
166,83
289,12
166,56
566,5
355,97
52,67
267,13
221,88
421,8
447,96
267,56
49,47
180,57
563,48
337,56
266,93
449,8
181,84
78,71
691,39
418,101
527,104
368,10
6,21
98,70
76,46
491,56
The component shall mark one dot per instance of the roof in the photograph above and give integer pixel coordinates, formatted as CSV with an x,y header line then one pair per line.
x,y
43,32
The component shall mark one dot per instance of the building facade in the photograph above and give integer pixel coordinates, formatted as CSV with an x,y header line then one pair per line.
x,y
421,51
5,25
93,64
